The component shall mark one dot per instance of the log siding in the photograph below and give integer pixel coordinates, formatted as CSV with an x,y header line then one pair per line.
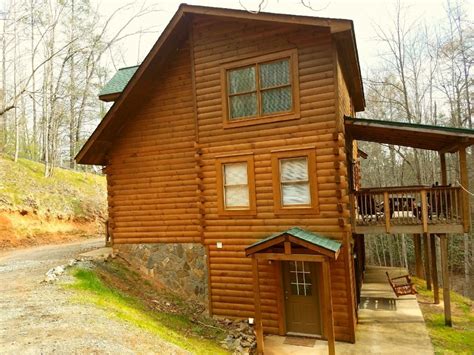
x,y
151,171
161,170
231,278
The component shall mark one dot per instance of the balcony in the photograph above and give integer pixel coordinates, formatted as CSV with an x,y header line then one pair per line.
x,y
410,209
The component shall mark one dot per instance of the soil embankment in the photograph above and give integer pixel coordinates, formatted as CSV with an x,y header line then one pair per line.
x,y
36,210
20,231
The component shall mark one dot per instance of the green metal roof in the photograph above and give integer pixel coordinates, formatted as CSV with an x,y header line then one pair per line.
x,y
119,81
443,129
310,237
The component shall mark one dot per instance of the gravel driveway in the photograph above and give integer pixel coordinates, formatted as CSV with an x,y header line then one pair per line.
x,y
39,318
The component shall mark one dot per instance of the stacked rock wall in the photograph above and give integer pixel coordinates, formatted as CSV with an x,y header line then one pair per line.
x,y
180,268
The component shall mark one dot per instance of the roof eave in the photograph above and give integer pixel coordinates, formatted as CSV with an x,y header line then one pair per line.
x,y
109,97
454,138
336,25
85,156
351,66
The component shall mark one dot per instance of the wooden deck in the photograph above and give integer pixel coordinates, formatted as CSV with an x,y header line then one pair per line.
x,y
415,209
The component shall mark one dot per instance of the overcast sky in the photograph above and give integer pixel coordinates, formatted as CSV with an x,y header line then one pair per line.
x,y
364,13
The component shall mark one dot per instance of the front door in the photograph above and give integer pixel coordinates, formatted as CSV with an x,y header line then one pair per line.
x,y
303,313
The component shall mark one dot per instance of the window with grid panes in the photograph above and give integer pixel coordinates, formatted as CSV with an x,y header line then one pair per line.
x,y
294,181
235,185
263,89
300,278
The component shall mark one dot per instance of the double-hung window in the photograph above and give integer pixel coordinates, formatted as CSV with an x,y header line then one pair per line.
x,y
294,181
261,90
235,185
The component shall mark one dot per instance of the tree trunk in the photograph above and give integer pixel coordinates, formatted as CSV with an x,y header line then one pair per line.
x,y
34,136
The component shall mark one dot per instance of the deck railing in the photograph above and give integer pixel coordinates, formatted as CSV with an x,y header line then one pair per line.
x,y
396,207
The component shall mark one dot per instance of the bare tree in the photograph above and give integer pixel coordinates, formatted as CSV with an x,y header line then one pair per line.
x,y
53,56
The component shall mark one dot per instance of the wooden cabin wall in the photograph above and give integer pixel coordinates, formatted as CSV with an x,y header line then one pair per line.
x,y
151,172
345,107
215,42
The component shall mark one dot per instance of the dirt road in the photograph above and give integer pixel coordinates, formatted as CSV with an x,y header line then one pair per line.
x,y
39,318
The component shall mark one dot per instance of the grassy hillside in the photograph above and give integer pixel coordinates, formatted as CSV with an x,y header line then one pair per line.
x,y
107,285
66,195
458,339
37,210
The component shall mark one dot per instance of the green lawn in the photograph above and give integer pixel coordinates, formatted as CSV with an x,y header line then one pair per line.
x,y
174,328
456,340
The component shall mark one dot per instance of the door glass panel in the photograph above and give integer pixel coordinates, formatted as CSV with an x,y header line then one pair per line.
x,y
300,278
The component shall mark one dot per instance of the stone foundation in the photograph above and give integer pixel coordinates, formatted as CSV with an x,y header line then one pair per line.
x,y
179,268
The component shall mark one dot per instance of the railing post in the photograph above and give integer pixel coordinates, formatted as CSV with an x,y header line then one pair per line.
x,y
386,208
424,211
444,175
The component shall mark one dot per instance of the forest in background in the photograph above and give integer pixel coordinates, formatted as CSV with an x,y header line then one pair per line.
x,y
424,75
55,55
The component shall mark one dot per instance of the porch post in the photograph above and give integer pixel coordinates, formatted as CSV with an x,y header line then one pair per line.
x,y
258,313
434,269
445,274
444,173
465,185
426,248
363,251
418,256
328,311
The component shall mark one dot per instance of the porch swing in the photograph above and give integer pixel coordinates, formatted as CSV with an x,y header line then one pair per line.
x,y
401,288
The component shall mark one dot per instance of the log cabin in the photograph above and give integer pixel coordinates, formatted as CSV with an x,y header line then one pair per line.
x,y
236,136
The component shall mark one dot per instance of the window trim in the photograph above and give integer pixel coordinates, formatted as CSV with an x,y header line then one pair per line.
x,y
310,154
292,54
220,162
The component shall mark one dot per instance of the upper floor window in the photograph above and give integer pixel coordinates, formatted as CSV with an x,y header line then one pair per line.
x,y
235,185
294,181
260,90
